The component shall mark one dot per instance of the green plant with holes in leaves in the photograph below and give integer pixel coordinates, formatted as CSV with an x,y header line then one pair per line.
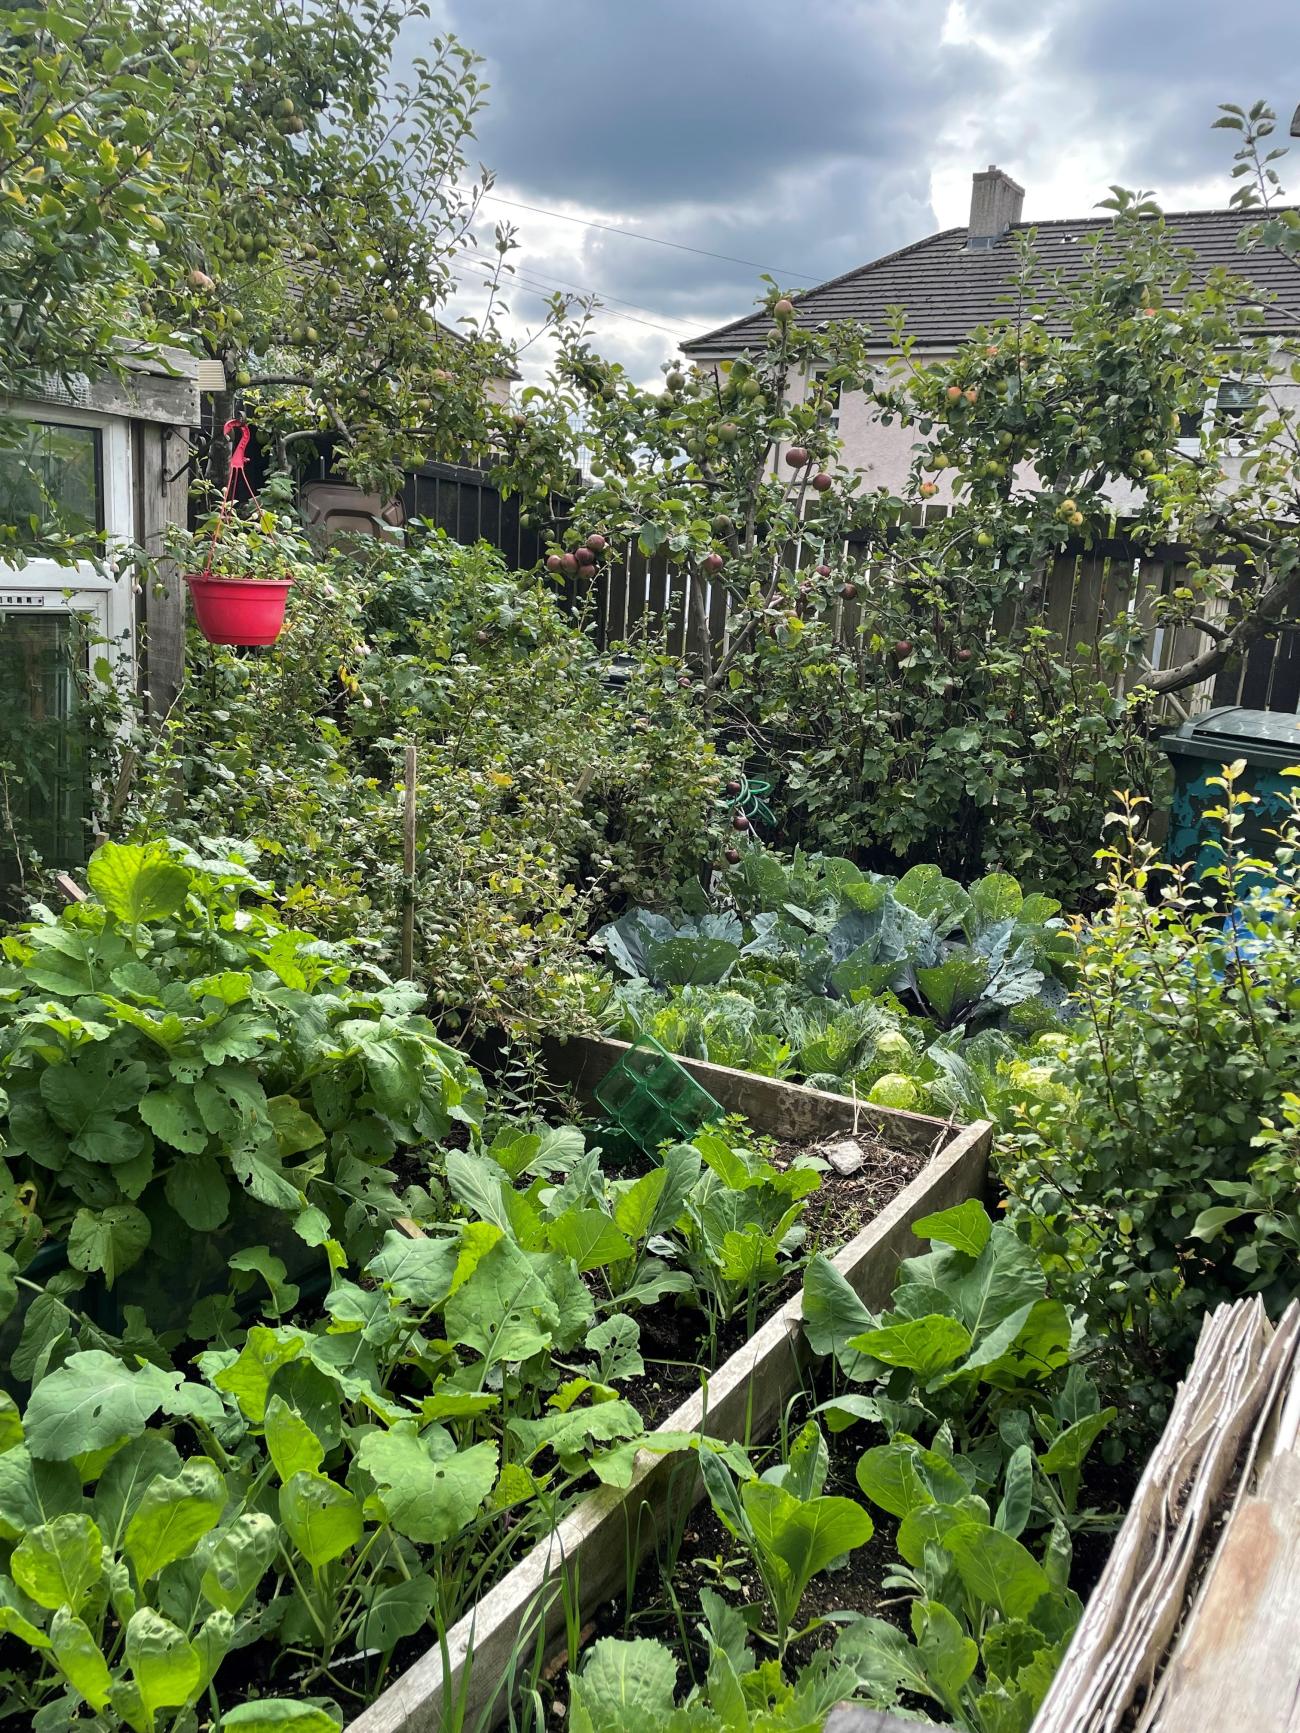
x,y
321,1490
185,1074
989,1422
791,1527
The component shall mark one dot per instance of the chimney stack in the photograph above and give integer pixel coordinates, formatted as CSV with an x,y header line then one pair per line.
x,y
995,204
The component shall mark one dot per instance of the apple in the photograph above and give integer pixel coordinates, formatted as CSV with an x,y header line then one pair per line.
x,y
597,543
954,394
797,456
928,489
676,381
1146,458
1067,508
783,309
732,857
1076,520
983,540
584,556
728,433
722,524
903,649
971,394
200,280
940,460
739,821
964,655
823,571
554,563
568,563
821,481
713,563
733,787
848,591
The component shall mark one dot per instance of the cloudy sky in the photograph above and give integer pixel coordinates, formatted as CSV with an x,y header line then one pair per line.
x,y
806,139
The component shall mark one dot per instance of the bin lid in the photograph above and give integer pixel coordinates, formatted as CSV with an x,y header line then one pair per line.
x,y
1264,737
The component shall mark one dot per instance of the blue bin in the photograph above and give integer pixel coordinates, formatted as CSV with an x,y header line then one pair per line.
x,y
1269,741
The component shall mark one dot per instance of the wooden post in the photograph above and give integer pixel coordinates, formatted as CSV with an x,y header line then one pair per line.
x,y
162,501
408,866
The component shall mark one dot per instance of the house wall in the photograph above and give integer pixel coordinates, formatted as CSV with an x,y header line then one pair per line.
x,y
883,454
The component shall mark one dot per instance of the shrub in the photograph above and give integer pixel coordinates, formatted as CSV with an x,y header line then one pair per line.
x,y
185,1076
544,796
1134,1158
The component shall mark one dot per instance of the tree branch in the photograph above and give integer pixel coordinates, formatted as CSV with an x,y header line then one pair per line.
x,y
1274,604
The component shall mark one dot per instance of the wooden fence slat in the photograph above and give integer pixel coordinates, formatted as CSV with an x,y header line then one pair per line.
x,y
1087,606
1058,596
638,580
657,595
615,622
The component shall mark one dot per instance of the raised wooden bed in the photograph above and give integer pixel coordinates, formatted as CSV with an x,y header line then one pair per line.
x,y
742,1401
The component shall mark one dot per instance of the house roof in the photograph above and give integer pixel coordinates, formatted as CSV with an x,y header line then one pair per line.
x,y
949,289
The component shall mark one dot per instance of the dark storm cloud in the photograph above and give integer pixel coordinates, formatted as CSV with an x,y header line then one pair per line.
x,y
804,137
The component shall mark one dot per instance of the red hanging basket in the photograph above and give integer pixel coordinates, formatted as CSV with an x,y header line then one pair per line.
x,y
237,610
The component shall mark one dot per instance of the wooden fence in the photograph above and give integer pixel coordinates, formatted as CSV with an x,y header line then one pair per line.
x,y
1087,589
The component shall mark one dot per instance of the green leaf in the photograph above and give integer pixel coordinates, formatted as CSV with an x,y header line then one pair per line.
x,y
617,1343
173,1516
112,1239
295,1130
92,1401
802,1536
79,1658
589,1237
291,1444
239,1559
173,1116
953,985
832,1312
1070,1448
11,1425
248,1377
420,1271
1211,1222
574,1433
262,1261
137,883
164,1665
995,898
277,1715
212,1643
59,1563
396,1610
428,1495
626,1686
902,1476
18,1616
199,1192
996,1569
503,1310
925,1345
34,1492
965,1227
940,901
1017,1493
635,1207
323,1519
948,1655
885,1661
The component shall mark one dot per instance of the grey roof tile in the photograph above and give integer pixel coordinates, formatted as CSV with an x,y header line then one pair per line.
x,y
948,289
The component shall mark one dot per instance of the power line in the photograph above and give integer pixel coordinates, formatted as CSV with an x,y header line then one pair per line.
x,y
525,272
546,295
654,240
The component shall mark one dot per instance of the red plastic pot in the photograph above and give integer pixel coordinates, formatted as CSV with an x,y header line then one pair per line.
x,y
239,610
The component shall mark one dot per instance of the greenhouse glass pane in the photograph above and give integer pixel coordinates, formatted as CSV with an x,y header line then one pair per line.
x,y
43,792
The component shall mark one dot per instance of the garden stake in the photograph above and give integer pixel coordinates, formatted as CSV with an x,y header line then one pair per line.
x,y
408,866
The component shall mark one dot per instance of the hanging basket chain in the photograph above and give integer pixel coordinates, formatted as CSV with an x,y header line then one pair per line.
x,y
238,473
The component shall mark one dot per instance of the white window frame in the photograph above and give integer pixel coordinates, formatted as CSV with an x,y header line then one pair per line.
x,y
101,593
